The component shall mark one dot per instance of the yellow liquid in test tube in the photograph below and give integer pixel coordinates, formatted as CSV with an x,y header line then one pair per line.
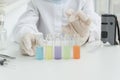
x,y
49,52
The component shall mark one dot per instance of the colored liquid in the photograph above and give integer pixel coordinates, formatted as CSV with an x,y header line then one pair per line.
x,y
58,52
49,52
66,52
39,53
76,52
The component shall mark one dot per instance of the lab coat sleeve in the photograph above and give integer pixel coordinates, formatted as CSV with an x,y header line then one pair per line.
x,y
95,28
27,22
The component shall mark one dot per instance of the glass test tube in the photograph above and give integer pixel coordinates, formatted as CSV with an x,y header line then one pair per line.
x,y
49,47
76,47
40,48
57,47
66,54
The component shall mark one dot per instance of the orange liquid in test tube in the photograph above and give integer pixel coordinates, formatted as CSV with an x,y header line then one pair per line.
x,y
76,52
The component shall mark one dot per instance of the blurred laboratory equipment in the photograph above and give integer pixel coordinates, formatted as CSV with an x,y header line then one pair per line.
x,y
110,31
4,59
3,31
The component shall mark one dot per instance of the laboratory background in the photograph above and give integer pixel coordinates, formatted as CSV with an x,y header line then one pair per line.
x,y
15,8
97,61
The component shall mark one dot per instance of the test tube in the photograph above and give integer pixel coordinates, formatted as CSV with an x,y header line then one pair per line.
x,y
57,47
66,48
76,47
40,48
49,47
39,53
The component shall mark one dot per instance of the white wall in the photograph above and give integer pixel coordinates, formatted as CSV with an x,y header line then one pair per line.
x,y
115,8
102,6
108,6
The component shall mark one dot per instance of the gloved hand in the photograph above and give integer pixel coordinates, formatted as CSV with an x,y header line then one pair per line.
x,y
78,23
28,43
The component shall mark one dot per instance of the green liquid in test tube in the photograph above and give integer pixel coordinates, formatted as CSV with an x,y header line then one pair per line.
x,y
66,51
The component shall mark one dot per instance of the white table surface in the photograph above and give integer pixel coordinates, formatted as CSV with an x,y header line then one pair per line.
x,y
96,63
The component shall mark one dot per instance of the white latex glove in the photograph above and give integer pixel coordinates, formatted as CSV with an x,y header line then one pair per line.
x,y
28,43
78,23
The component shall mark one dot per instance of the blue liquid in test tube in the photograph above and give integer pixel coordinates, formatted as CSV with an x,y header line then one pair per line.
x,y
40,49
39,53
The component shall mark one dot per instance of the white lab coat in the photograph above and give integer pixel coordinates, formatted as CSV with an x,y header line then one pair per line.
x,y
47,17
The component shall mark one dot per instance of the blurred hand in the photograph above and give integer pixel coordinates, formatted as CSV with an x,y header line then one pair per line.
x,y
28,43
78,23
